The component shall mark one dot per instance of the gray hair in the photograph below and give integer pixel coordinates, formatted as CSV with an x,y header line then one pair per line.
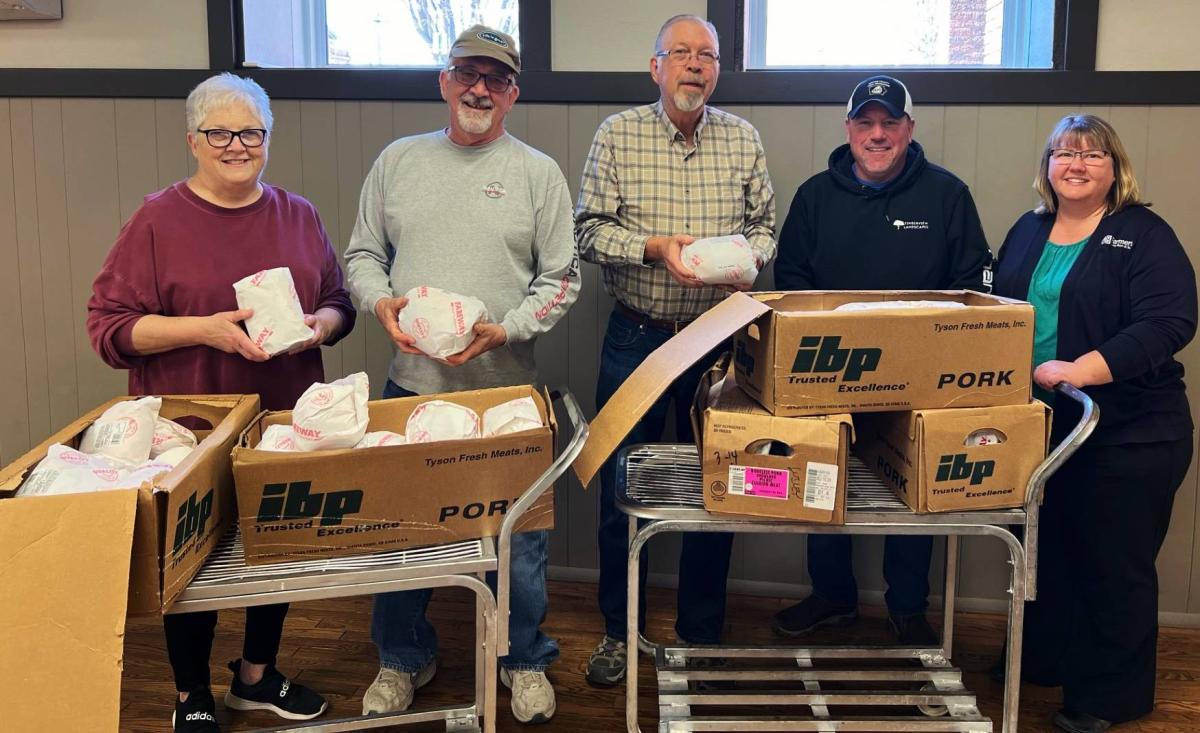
x,y
679,19
224,90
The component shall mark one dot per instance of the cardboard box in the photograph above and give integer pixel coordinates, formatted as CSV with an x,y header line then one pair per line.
x,y
801,476
935,462
302,505
74,565
804,358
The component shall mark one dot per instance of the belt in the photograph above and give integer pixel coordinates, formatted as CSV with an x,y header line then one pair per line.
x,y
644,320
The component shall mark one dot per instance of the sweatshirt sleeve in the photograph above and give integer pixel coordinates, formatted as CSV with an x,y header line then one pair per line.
x,y
369,254
1162,293
124,290
556,279
333,289
602,238
759,227
793,265
970,265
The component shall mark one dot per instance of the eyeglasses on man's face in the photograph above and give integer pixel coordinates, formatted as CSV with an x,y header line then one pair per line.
x,y
680,56
251,137
467,76
1064,156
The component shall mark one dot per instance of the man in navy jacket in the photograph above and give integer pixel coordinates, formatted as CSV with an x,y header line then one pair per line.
x,y
880,218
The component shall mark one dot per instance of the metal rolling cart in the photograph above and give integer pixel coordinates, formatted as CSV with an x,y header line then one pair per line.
x,y
225,581
831,688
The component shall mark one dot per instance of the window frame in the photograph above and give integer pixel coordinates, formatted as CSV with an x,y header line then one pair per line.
x,y
1074,82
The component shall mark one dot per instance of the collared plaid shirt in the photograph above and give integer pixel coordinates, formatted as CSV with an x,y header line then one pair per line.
x,y
642,179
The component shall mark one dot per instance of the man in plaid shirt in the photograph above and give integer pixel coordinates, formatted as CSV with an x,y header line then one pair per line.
x,y
658,177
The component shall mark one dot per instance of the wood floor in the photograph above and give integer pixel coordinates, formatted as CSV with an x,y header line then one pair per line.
x,y
327,646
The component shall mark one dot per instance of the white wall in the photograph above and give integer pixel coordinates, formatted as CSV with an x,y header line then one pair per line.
x,y
111,34
1148,35
615,35
610,36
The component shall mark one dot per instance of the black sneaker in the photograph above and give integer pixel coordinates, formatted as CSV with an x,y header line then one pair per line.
x,y
273,692
197,714
810,614
913,630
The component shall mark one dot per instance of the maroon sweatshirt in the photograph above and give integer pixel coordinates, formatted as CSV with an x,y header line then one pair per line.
x,y
179,255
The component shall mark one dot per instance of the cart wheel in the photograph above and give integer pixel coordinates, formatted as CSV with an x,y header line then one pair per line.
x,y
933,711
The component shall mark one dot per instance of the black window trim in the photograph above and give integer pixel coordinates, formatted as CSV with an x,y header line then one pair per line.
x,y
1074,81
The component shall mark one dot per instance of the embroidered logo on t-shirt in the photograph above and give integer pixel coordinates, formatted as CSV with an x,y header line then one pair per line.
x,y
1119,243
494,190
901,224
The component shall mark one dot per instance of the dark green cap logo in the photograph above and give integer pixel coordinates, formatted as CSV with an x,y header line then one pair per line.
x,y
492,38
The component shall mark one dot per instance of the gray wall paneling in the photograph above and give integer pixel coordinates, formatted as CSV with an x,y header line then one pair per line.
x,y
72,171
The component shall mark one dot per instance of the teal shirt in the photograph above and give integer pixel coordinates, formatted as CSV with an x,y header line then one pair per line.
x,y
1044,289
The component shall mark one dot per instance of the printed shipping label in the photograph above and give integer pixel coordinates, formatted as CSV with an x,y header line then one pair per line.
x,y
766,483
820,485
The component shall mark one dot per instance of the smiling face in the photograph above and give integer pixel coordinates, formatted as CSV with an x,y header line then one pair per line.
x,y
476,112
234,171
1076,182
879,142
685,87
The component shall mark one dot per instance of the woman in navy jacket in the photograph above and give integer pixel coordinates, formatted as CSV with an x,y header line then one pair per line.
x,y
1116,300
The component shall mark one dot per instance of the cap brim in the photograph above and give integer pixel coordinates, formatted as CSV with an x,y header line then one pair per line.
x,y
891,108
502,58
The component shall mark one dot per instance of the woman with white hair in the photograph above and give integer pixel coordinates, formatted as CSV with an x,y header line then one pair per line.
x,y
163,307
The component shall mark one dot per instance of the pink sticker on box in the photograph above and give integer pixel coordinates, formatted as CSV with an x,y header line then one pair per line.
x,y
763,483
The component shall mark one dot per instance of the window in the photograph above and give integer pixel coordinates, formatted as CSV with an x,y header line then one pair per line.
x,y
782,34
364,33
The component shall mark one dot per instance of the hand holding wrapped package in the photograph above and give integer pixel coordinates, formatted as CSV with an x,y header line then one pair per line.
x,y
441,322
278,321
727,260
440,420
511,417
334,415
124,433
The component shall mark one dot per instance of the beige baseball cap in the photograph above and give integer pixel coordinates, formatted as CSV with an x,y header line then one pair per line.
x,y
480,40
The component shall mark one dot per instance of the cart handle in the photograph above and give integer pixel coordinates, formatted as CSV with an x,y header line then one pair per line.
x,y
527,499
1037,482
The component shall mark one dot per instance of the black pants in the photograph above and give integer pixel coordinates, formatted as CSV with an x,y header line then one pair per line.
x,y
1094,626
190,638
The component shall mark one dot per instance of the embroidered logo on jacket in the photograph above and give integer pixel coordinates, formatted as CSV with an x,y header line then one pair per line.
x,y
901,224
1119,243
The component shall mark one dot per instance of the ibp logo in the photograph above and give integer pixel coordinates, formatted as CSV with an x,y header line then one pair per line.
x,y
191,520
956,467
296,501
823,354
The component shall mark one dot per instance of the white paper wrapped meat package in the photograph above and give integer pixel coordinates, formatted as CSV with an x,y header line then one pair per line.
x,y
278,320
439,420
124,433
334,415
441,322
727,260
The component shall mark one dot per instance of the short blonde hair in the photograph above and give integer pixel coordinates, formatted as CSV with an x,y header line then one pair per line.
x,y
223,90
1095,132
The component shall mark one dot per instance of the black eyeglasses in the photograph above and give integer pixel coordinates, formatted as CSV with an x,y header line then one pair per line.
x,y
251,137
467,76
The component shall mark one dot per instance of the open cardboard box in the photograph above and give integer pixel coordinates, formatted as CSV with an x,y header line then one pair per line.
x,y
760,465
948,460
303,505
805,358
73,565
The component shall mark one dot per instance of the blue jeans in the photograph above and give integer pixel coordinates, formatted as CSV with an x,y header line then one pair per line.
x,y
704,561
905,567
407,641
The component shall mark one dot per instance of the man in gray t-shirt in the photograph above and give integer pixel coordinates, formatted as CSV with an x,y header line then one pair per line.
x,y
472,210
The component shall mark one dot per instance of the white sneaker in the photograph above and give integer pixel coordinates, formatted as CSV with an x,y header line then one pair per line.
x,y
532,695
392,690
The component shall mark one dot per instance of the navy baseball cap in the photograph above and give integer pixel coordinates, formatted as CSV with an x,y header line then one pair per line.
x,y
885,90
